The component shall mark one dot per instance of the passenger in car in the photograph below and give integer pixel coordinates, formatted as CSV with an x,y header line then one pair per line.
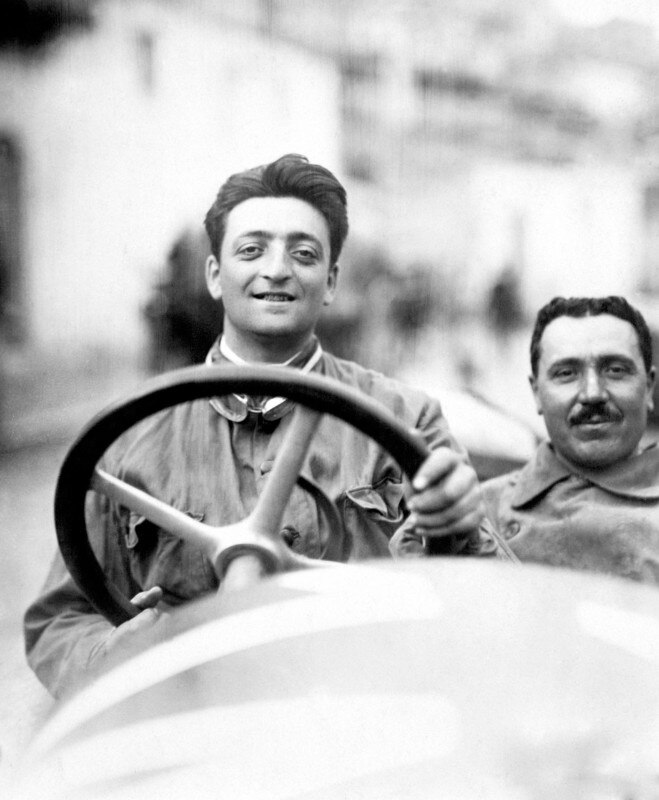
x,y
589,498
276,233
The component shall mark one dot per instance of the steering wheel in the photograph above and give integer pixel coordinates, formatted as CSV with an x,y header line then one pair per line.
x,y
258,534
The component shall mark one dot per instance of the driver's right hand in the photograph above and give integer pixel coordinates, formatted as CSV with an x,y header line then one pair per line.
x,y
148,601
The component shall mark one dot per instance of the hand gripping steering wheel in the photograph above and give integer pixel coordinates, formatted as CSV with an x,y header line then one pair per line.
x,y
258,533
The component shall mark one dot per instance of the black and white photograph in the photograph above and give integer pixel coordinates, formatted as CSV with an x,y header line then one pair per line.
x,y
328,401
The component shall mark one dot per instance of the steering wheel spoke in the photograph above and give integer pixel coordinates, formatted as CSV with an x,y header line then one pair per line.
x,y
269,512
161,514
216,542
258,534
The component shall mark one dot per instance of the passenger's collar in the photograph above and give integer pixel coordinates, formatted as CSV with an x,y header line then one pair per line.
x,y
237,407
637,477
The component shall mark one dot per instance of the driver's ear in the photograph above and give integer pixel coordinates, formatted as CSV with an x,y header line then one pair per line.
x,y
330,289
533,381
652,377
213,277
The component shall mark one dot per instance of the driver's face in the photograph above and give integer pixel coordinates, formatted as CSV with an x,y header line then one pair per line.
x,y
274,276
592,389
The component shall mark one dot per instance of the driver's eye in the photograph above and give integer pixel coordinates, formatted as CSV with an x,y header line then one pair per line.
x,y
305,254
564,374
250,251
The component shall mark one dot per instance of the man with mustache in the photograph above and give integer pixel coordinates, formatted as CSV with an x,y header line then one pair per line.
x,y
589,499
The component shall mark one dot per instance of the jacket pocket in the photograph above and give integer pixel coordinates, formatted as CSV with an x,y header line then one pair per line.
x,y
157,558
372,515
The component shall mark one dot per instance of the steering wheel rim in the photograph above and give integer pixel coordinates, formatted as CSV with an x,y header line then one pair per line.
x,y
183,385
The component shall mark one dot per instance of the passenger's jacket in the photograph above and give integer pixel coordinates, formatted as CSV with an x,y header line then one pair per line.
x,y
194,458
604,520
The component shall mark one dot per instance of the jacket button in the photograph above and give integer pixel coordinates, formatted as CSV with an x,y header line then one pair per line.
x,y
512,529
289,534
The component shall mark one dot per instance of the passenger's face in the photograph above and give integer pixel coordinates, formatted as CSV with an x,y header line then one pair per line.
x,y
274,276
592,389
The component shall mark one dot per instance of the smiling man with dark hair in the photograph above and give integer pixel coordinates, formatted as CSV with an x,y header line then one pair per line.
x,y
276,233
589,499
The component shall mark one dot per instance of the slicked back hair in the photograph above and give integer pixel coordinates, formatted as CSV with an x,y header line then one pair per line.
x,y
614,305
289,176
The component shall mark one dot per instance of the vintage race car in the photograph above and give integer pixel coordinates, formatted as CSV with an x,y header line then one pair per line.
x,y
431,677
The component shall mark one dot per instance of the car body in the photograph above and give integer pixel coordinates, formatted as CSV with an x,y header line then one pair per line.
x,y
454,678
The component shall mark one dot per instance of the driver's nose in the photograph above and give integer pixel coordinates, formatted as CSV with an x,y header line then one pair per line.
x,y
593,387
277,266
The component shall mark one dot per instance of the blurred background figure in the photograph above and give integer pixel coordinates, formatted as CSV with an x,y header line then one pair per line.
x,y
504,307
182,318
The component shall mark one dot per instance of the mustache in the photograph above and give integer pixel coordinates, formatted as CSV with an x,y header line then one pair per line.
x,y
595,413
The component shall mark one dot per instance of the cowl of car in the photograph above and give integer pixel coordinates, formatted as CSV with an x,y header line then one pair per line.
x,y
453,678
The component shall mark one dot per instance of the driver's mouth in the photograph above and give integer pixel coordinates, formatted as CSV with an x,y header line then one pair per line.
x,y
274,297
585,420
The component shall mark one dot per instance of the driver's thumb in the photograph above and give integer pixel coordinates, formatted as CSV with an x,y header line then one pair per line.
x,y
143,620
148,599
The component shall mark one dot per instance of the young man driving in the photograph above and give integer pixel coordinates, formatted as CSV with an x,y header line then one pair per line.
x,y
276,232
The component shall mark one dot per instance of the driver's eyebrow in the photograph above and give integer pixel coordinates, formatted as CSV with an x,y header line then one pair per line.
x,y
609,358
568,361
254,235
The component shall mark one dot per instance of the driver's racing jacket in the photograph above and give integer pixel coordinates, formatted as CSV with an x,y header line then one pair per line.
x,y
194,457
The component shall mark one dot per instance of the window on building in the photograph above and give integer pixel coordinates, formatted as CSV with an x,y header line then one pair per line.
x,y
11,307
441,81
30,25
359,67
145,55
651,214
360,166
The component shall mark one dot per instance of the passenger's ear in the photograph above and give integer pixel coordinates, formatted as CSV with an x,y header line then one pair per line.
x,y
652,377
533,381
332,278
213,277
